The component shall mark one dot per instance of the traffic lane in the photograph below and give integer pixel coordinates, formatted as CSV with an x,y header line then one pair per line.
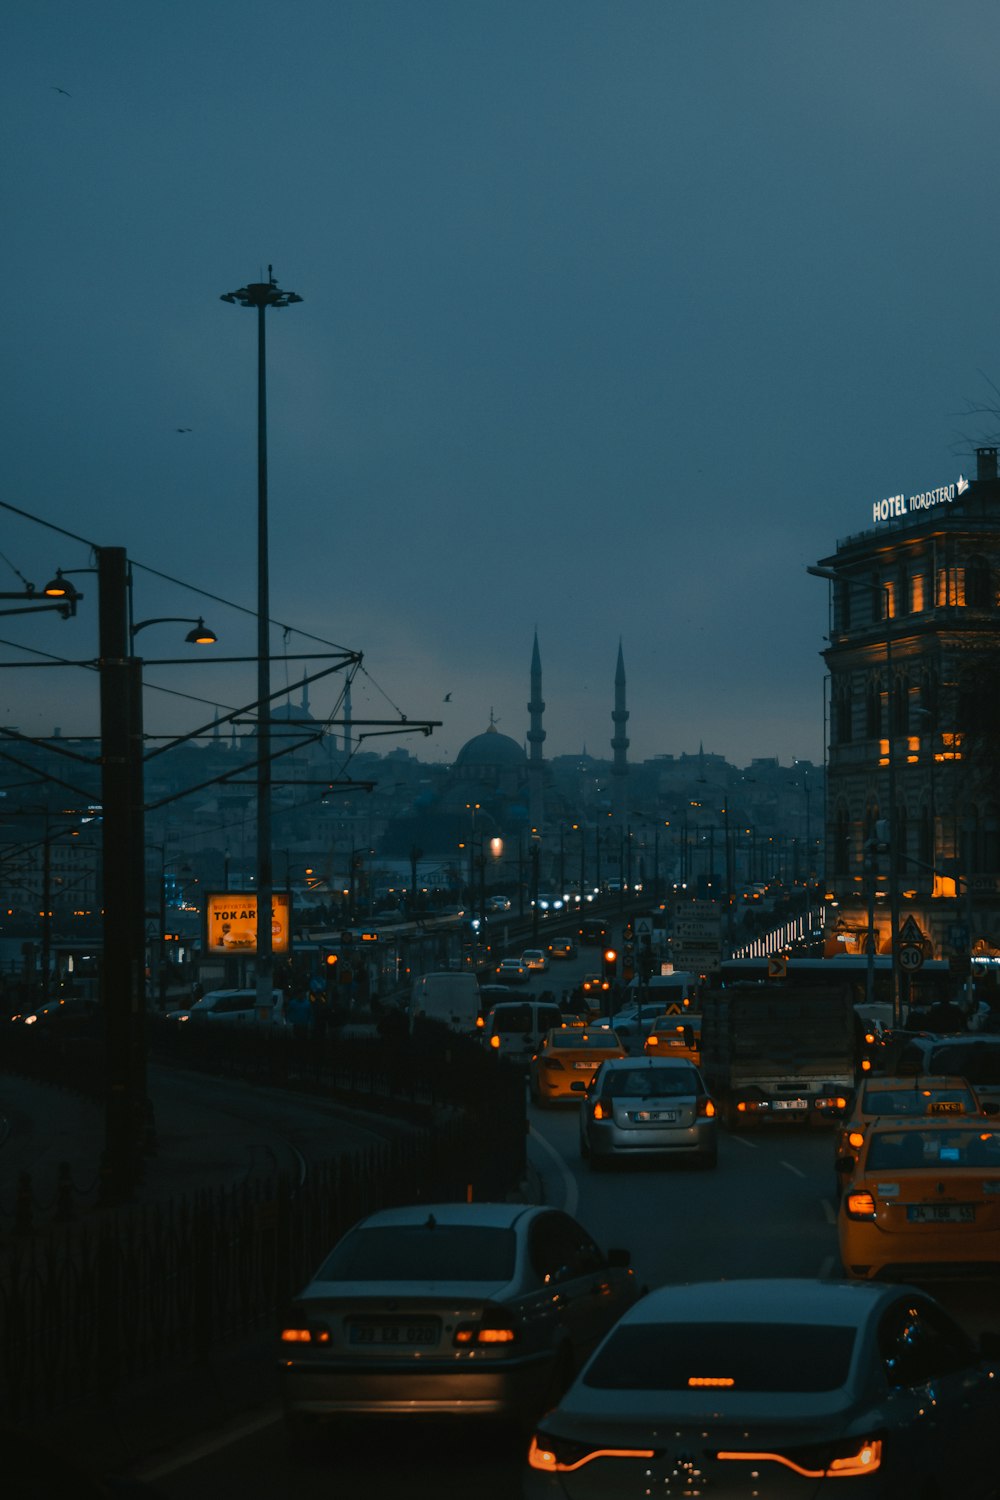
x,y
379,1460
765,1210
769,1209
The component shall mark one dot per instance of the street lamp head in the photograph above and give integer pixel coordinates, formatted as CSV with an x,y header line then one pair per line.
x,y
201,635
261,294
60,587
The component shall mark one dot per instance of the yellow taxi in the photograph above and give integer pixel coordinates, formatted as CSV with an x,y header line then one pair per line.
x,y
883,1098
923,1200
567,1060
675,1036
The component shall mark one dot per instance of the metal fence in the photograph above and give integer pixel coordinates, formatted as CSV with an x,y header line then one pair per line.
x,y
89,1306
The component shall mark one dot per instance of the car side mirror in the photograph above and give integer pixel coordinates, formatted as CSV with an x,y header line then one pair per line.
x,y
622,1259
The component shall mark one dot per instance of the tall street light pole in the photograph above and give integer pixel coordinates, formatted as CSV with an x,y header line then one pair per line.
x,y
262,295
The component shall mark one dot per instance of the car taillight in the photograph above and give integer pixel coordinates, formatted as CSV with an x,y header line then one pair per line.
x,y
706,1106
859,1206
305,1333
494,1040
480,1023
602,1109
495,1326
848,1458
652,1041
555,1454
856,1139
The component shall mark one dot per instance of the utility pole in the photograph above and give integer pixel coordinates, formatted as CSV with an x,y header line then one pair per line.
x,y
123,970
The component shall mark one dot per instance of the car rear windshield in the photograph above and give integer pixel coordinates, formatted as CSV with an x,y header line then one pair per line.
x,y
738,1356
644,1083
418,1252
576,1037
897,1150
979,1064
914,1101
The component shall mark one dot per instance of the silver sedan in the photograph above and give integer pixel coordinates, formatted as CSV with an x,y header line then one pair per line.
x,y
457,1309
648,1107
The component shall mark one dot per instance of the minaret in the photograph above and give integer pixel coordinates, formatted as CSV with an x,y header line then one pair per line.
x,y
619,744
536,736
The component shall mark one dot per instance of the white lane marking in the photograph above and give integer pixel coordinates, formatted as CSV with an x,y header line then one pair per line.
x,y
750,1145
571,1192
793,1169
830,1210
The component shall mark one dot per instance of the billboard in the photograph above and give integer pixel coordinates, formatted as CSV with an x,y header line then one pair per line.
x,y
231,922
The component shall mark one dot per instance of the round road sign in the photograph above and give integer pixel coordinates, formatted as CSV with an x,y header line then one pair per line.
x,y
910,956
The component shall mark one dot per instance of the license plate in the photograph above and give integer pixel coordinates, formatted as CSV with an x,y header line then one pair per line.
x,y
655,1116
587,1067
941,1213
791,1104
394,1334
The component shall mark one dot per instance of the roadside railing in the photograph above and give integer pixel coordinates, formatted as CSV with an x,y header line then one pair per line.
x,y
88,1306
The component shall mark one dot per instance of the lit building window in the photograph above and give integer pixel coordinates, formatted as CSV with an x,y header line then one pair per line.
x,y
950,586
918,593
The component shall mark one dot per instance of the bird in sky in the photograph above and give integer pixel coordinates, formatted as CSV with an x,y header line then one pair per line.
x,y
447,698
184,429
62,91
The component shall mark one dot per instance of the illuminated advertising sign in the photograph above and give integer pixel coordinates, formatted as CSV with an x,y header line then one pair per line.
x,y
231,922
894,506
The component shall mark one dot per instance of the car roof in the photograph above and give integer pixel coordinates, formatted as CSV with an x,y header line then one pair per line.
x,y
648,1062
889,1124
782,1299
911,1082
486,1215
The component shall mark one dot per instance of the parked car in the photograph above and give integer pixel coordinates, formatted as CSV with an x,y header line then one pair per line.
x,y
779,1387
463,1309
231,1008
643,1107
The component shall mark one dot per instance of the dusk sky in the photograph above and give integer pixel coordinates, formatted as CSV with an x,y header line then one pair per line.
x,y
616,315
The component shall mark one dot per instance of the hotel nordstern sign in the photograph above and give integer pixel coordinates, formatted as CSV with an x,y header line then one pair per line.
x,y
895,506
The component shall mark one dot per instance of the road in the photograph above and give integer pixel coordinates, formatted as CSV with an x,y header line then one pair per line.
x,y
767,1210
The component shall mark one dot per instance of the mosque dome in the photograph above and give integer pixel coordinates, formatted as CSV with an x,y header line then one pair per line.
x,y
491,749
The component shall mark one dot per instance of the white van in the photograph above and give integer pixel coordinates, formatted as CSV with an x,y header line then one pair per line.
x,y
514,1028
449,997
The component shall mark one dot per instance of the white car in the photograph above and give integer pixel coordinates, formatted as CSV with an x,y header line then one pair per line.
x,y
534,958
232,1008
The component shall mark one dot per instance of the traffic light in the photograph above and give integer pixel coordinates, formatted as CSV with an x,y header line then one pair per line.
x,y
610,963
